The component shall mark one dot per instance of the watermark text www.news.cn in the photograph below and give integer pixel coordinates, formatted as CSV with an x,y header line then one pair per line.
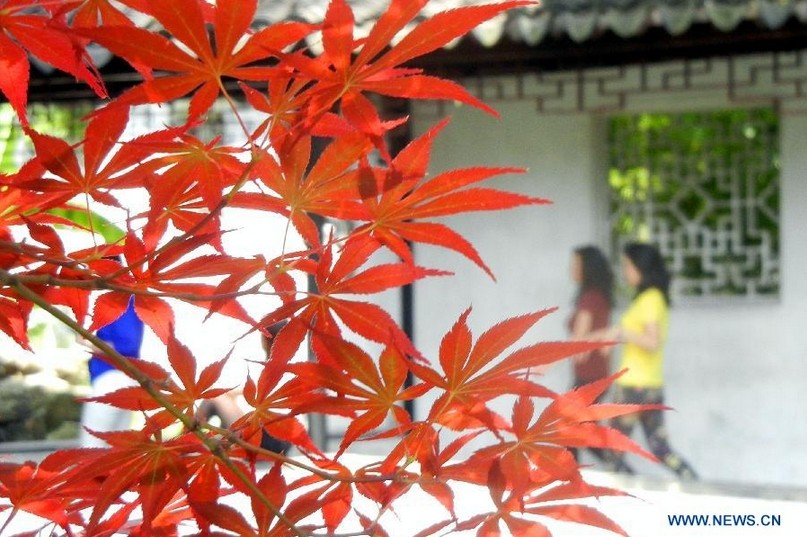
x,y
725,520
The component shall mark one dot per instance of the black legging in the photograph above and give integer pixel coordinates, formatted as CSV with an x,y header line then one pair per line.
x,y
653,425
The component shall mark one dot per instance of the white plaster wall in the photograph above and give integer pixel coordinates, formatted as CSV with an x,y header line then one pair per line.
x,y
528,249
540,233
736,374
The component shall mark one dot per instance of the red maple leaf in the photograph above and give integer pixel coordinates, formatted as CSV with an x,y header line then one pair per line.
x,y
94,13
204,66
397,200
475,373
514,506
29,488
342,277
31,27
104,167
187,161
300,191
349,67
134,461
371,392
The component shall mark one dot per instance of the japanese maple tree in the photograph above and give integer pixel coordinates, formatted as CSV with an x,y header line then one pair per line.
x,y
321,152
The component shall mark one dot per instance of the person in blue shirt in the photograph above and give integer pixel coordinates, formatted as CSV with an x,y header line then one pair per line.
x,y
125,335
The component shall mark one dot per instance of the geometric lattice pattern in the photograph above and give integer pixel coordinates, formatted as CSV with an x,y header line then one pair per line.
x,y
746,81
703,187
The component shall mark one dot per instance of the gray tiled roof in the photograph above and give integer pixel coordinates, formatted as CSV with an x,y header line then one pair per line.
x,y
579,19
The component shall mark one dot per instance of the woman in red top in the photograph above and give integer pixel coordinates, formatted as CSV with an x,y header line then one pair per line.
x,y
592,312
595,279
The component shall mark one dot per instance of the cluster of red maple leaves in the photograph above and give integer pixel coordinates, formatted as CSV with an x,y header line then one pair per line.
x,y
148,484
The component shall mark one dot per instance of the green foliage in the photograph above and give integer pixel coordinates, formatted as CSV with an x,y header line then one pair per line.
x,y
688,172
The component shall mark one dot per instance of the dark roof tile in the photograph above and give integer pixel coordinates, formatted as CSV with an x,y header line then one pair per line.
x,y
579,19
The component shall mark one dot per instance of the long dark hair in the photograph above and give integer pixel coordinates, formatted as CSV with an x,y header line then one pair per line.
x,y
651,266
596,272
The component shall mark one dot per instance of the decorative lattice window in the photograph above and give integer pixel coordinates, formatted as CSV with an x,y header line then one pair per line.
x,y
703,187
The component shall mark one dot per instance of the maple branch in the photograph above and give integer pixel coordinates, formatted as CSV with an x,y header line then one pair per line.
x,y
103,284
117,359
232,437
147,383
191,424
253,487
37,254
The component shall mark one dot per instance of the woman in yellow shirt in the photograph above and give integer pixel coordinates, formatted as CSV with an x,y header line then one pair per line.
x,y
643,331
